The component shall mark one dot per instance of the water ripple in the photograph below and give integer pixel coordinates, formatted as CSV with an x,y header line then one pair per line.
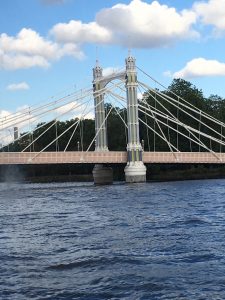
x,y
154,241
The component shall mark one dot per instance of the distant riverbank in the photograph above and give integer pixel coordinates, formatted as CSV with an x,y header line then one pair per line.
x,y
83,173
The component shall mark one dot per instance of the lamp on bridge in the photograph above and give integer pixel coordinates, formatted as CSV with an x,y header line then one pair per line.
x,y
16,133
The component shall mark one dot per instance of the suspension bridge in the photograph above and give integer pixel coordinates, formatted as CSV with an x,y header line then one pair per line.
x,y
165,117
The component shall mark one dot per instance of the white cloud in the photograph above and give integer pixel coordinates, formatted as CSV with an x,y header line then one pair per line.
x,y
140,24
168,74
137,25
28,42
4,113
14,61
28,49
110,70
78,32
73,110
66,108
8,123
70,49
211,13
20,118
200,67
18,86
140,95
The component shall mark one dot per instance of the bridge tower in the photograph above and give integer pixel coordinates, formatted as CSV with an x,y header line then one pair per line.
x,y
135,170
100,126
101,173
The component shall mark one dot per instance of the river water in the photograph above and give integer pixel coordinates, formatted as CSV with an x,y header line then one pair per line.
x,y
139,241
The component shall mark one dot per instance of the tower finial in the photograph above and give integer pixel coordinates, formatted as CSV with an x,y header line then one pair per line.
x,y
129,52
97,61
97,70
129,46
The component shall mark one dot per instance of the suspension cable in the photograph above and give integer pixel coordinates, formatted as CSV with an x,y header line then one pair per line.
x,y
164,97
55,139
100,92
62,114
76,127
99,129
159,136
188,128
203,145
205,114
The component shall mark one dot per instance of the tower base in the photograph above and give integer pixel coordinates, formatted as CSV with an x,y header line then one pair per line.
x,y
135,172
102,174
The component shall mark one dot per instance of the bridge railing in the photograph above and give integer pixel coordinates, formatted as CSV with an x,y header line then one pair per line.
x,y
110,157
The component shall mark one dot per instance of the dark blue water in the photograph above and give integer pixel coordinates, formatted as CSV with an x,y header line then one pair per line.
x,y
140,241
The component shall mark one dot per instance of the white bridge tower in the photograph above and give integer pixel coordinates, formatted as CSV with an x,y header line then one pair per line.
x,y
135,171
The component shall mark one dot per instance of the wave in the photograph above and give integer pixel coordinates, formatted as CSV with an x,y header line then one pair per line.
x,y
96,261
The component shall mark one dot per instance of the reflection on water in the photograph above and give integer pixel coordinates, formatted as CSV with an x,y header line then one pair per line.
x,y
138,241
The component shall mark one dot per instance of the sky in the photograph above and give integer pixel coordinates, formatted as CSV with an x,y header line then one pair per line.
x,y
49,47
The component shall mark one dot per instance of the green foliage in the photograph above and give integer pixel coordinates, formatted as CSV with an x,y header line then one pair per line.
x,y
214,106
117,132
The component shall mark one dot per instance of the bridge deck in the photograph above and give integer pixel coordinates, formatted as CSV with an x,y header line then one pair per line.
x,y
112,157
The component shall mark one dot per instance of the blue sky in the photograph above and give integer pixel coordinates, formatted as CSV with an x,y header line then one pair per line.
x,y
48,47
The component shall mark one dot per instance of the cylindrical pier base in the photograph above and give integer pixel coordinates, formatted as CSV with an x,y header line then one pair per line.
x,y
102,174
135,172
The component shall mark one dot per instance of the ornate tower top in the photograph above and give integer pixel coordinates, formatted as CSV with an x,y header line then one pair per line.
x,y
97,71
130,63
